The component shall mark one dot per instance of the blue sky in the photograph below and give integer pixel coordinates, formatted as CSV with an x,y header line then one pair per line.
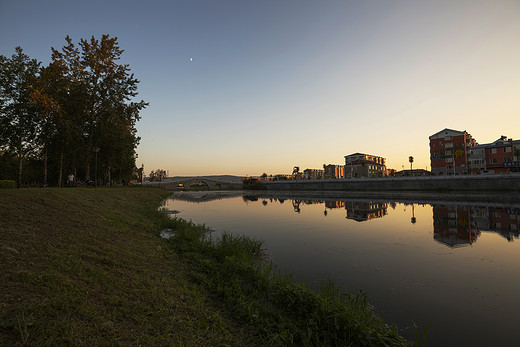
x,y
275,84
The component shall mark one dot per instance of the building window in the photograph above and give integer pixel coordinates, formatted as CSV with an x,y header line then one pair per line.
x,y
449,160
448,137
449,145
493,151
507,149
493,161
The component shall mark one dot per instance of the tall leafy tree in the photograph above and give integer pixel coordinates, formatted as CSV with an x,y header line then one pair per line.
x,y
69,139
47,94
105,107
18,116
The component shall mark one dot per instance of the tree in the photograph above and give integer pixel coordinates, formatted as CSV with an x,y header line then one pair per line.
x,y
102,102
459,153
110,88
57,115
158,175
18,117
45,94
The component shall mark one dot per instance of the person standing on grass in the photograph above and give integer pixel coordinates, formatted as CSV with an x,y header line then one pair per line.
x,y
70,179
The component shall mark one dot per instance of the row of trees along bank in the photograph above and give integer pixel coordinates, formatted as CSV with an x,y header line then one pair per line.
x,y
76,115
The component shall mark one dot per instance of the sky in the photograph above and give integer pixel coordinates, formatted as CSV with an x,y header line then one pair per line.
x,y
247,87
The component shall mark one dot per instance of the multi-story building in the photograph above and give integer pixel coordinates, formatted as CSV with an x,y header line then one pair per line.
x,y
500,156
449,152
364,165
313,174
333,171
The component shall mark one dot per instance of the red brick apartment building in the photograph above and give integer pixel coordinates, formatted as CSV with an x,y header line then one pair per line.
x,y
333,171
449,152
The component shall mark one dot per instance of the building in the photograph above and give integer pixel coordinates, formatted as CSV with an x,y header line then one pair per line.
x,y
364,165
333,171
313,174
449,152
500,156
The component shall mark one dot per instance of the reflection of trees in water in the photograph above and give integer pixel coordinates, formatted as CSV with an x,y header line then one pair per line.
x,y
296,205
248,198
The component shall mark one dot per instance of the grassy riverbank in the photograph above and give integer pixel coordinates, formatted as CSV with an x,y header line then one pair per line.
x,y
86,267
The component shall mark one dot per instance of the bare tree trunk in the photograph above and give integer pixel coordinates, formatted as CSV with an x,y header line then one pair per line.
x,y
60,173
20,164
45,168
89,150
20,150
87,174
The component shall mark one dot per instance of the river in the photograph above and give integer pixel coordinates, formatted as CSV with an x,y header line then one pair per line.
x,y
452,265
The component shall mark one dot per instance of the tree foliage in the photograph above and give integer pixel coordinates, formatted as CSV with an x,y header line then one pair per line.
x,y
18,121
158,175
78,111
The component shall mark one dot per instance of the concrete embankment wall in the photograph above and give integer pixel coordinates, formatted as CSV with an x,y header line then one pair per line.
x,y
474,183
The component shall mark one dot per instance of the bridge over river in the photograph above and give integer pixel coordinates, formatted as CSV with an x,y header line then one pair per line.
x,y
211,182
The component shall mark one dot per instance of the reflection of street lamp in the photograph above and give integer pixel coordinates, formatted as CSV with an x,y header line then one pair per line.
x,y
413,215
96,150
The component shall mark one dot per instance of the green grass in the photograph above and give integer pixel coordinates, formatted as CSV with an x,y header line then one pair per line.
x,y
280,310
86,267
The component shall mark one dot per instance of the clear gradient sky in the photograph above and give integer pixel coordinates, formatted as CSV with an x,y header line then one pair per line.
x,y
277,84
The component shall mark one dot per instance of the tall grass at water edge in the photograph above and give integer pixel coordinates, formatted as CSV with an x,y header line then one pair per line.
x,y
281,310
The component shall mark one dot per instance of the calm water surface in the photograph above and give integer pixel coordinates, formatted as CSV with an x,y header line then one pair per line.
x,y
455,266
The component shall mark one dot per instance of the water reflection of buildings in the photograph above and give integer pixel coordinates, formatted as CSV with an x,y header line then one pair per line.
x,y
334,204
459,226
361,211
502,220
